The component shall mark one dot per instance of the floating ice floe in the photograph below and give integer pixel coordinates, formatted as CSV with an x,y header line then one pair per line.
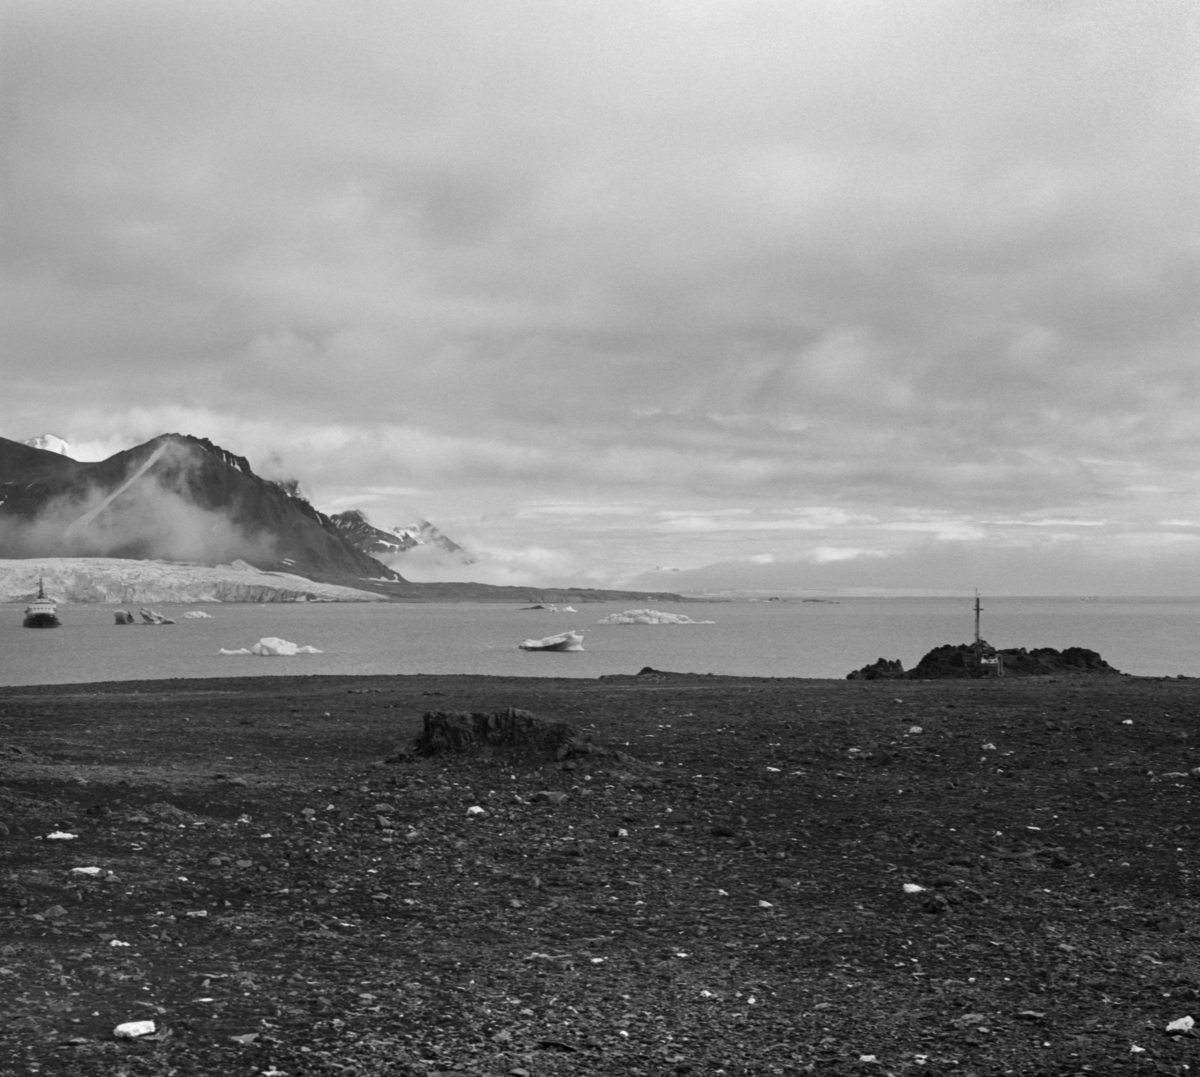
x,y
272,646
198,615
649,617
564,641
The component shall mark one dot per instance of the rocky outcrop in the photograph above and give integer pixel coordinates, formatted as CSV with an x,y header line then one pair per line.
x,y
1044,660
960,660
887,669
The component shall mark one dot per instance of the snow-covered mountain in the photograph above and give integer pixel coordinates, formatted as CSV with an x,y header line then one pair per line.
x,y
49,443
375,542
423,533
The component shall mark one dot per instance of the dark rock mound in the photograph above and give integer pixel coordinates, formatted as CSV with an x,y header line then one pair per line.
x,y
963,661
1045,660
949,660
511,728
882,669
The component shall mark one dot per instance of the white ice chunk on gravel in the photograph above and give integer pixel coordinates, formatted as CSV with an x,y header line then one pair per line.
x,y
131,1030
1182,1024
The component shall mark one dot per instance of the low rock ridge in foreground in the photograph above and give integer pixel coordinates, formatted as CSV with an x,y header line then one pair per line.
x,y
960,660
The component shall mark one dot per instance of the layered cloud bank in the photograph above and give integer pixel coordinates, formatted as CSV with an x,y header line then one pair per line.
x,y
124,582
926,260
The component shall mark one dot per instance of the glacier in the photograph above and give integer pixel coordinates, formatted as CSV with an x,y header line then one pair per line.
x,y
144,583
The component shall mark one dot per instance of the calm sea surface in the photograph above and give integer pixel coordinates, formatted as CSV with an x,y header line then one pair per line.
x,y
1150,637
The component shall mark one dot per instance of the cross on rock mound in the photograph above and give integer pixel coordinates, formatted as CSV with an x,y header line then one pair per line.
x,y
465,731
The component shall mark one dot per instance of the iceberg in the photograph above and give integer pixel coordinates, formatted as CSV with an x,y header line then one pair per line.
x,y
649,617
564,641
153,617
272,646
198,615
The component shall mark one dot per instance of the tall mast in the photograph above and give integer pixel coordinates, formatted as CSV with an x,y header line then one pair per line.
x,y
977,607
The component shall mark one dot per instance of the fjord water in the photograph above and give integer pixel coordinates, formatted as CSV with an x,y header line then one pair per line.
x,y
793,638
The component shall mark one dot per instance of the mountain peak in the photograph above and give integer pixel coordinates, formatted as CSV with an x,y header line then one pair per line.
x,y
174,498
49,443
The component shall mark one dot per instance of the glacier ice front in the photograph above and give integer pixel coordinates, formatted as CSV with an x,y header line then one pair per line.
x,y
273,646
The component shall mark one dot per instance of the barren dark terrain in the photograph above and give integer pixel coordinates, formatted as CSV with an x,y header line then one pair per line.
x,y
774,877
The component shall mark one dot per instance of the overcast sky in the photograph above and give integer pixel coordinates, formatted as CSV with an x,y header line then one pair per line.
x,y
892,295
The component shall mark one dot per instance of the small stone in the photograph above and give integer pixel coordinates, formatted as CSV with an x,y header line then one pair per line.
x,y
54,912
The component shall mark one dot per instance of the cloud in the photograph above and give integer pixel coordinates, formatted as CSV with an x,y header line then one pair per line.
x,y
875,258
530,566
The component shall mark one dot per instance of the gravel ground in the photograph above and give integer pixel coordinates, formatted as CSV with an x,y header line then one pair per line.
x,y
771,877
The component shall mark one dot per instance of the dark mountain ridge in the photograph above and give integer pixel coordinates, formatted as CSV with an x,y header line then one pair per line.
x,y
181,498
175,498
363,535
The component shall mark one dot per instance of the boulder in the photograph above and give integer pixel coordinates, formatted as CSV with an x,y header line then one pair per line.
x,y
509,728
